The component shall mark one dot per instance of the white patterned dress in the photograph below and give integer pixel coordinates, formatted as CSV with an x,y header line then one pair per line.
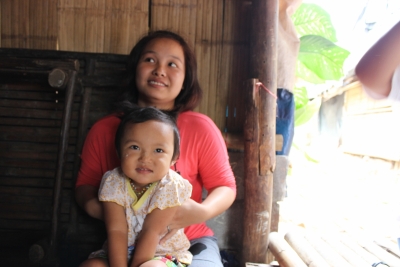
x,y
170,191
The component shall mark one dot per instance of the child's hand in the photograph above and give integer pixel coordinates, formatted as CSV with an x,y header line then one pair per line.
x,y
168,234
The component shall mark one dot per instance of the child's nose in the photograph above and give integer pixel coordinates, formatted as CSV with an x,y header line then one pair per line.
x,y
144,156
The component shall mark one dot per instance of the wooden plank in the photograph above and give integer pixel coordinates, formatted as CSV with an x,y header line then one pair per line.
x,y
33,105
41,173
25,163
29,113
23,155
30,134
37,64
258,185
29,182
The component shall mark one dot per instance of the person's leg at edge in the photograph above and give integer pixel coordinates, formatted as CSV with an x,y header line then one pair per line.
x,y
95,262
205,252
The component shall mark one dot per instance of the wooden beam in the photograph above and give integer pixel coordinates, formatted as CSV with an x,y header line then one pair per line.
x,y
260,131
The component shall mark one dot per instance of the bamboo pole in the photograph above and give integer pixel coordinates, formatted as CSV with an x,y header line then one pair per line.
x,y
283,252
295,238
259,131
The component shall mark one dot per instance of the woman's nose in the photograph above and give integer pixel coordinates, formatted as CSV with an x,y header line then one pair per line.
x,y
159,70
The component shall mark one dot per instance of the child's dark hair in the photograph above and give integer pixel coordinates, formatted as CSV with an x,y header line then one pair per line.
x,y
139,115
190,95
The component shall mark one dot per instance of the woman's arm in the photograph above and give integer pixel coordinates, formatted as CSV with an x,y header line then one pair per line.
x,y
191,212
154,226
87,198
117,234
375,69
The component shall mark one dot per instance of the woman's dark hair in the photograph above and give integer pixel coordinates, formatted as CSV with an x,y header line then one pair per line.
x,y
139,115
190,95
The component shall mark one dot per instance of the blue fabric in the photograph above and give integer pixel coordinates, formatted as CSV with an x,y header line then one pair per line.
x,y
205,252
285,119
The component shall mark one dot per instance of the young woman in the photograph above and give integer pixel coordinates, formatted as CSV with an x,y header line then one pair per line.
x,y
163,74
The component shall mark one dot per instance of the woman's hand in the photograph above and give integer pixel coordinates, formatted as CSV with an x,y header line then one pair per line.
x,y
191,212
87,198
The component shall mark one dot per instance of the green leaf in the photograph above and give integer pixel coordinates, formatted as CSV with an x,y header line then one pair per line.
x,y
321,57
311,19
300,97
305,153
304,114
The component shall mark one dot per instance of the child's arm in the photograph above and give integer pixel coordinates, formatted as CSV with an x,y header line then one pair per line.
x,y
154,226
117,234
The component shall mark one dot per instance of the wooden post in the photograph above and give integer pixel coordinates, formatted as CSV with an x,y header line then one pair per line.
x,y
259,132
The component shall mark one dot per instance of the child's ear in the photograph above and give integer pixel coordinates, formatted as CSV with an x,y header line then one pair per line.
x,y
174,160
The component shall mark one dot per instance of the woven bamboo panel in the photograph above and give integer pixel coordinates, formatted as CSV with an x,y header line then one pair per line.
x,y
29,24
105,26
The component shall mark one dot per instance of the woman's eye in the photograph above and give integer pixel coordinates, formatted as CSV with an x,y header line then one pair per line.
x,y
173,65
149,59
159,150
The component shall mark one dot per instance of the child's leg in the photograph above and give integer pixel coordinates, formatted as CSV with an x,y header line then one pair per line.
x,y
153,263
94,262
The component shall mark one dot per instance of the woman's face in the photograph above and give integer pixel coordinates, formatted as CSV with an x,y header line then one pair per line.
x,y
160,73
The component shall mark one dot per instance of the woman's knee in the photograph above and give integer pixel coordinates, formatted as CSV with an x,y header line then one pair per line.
x,y
95,262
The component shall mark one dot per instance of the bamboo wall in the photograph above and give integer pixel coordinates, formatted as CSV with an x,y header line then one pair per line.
x,y
370,126
217,30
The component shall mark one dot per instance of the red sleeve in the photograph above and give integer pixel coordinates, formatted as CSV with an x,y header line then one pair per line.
x,y
204,157
98,153
214,167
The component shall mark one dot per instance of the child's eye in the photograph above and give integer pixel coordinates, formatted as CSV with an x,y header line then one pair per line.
x,y
159,150
134,147
172,64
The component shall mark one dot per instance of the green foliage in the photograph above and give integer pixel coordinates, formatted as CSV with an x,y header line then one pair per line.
x,y
311,19
305,108
319,59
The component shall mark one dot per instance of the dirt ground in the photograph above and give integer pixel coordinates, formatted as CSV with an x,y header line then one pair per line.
x,y
343,191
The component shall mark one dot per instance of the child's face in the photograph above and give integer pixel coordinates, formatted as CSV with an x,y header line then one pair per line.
x,y
160,73
146,151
